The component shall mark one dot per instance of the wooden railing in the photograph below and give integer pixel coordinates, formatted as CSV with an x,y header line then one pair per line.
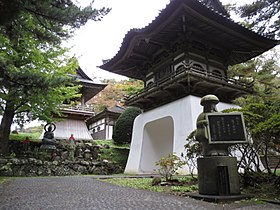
x,y
194,71
78,107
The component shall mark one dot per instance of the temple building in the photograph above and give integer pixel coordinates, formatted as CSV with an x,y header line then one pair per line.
x,y
73,118
182,55
102,124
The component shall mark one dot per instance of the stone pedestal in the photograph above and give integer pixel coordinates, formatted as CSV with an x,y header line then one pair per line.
x,y
218,175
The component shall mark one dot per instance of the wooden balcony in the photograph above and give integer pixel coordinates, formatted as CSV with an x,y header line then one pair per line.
x,y
78,108
188,80
77,112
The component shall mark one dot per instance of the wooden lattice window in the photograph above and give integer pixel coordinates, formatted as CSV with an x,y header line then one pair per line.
x,y
217,73
197,66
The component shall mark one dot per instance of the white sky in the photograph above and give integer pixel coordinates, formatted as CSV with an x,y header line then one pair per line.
x,y
101,40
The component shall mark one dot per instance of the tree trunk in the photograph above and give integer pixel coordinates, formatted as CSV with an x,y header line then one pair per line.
x,y
266,158
5,128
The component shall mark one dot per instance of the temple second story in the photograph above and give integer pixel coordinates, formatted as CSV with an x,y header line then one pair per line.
x,y
88,90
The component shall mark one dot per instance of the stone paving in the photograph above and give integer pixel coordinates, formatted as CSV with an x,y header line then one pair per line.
x,y
86,192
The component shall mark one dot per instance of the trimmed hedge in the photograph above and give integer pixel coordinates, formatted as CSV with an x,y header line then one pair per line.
x,y
124,125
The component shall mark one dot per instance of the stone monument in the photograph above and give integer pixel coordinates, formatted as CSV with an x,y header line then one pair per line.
x,y
216,131
48,141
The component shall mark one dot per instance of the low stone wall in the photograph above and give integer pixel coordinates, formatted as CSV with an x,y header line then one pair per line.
x,y
68,159
37,167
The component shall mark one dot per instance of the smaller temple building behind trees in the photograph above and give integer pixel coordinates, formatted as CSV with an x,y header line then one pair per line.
x,y
74,114
102,124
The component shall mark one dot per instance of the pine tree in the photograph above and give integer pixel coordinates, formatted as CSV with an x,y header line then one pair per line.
x,y
261,109
34,68
263,16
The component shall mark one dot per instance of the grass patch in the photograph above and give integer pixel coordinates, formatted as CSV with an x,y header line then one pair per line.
x,y
112,144
146,184
3,179
117,153
137,183
21,136
191,188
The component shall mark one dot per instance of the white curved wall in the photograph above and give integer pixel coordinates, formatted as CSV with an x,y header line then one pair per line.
x,y
157,141
161,131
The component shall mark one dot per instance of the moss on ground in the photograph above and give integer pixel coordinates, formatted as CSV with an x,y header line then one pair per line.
x,y
187,184
117,153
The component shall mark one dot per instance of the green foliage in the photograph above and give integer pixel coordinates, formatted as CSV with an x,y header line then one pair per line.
x,y
146,184
193,151
263,71
112,144
34,68
35,79
263,185
13,155
263,16
169,166
156,181
261,110
263,122
192,188
130,87
4,179
270,126
53,20
22,136
124,125
137,183
115,92
35,129
117,154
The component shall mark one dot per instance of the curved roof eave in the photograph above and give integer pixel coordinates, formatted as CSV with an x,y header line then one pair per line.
x,y
171,9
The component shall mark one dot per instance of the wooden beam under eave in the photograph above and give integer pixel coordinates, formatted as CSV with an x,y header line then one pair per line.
x,y
142,57
154,42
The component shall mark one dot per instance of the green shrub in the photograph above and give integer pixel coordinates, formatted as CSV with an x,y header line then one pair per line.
x,y
169,166
124,125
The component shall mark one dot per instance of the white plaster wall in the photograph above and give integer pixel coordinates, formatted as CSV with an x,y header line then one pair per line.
x,y
157,141
161,131
110,132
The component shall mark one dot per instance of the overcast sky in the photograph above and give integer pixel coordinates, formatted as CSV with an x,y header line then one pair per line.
x,y
101,40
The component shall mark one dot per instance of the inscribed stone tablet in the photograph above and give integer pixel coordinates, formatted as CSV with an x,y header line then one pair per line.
x,y
226,128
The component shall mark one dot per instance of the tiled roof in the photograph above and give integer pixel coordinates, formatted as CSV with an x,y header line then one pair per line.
x,y
166,26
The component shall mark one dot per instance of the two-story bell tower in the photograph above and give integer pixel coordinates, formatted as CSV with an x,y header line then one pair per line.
x,y
181,56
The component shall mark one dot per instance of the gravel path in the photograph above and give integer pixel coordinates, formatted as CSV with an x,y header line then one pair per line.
x,y
85,192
